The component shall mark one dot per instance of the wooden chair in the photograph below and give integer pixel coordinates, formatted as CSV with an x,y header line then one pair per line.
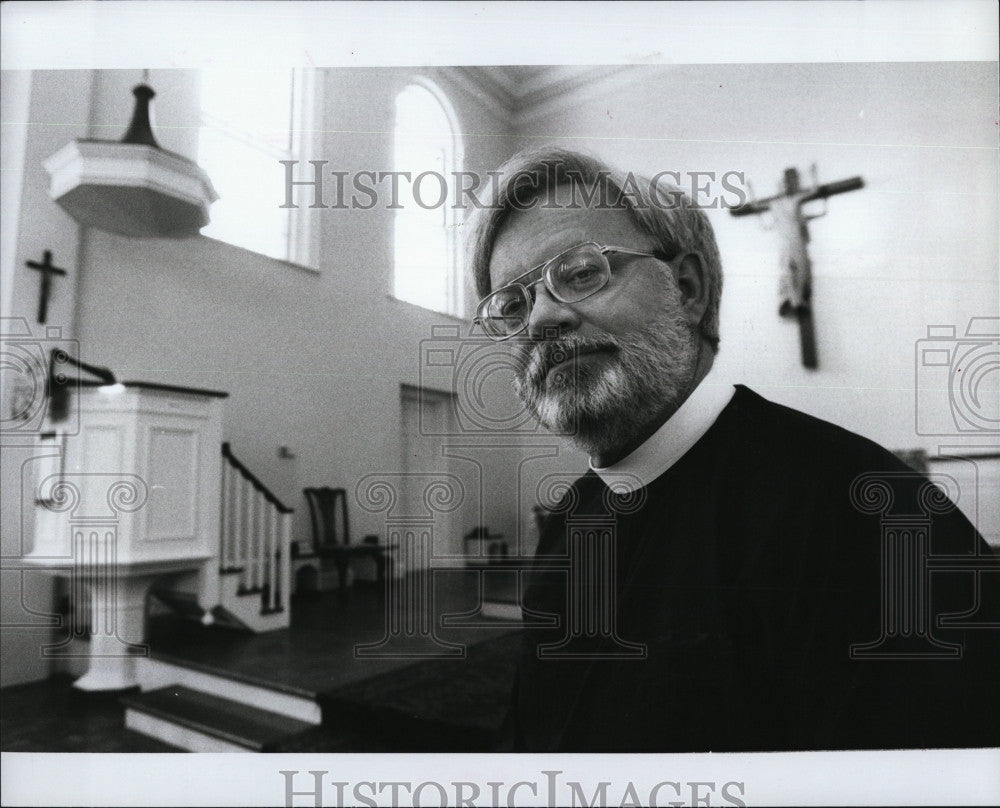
x,y
332,536
490,548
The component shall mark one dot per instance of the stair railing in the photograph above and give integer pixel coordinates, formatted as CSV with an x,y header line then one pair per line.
x,y
256,535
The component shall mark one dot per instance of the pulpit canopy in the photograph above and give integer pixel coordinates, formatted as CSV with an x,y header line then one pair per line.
x,y
132,187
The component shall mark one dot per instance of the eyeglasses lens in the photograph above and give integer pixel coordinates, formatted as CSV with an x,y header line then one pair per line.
x,y
570,277
505,312
578,274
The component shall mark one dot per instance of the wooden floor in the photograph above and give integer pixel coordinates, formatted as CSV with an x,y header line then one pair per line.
x,y
50,716
316,655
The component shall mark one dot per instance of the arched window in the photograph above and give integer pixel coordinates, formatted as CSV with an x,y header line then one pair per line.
x,y
242,138
428,146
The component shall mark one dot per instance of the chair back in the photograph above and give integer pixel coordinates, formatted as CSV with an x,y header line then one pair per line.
x,y
328,512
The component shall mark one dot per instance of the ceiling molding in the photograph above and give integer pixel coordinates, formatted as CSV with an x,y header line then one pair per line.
x,y
564,87
487,86
525,93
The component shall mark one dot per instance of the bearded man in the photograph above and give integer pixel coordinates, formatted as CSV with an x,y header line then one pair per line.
x,y
740,590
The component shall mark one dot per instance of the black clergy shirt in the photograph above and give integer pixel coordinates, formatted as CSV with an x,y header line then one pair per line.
x,y
758,604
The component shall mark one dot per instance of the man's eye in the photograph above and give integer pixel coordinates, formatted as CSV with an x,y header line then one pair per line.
x,y
512,307
579,274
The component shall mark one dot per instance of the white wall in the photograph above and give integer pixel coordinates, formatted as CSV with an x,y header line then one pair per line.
x,y
16,98
917,246
32,224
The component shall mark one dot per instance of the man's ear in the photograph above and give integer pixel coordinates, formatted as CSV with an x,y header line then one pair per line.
x,y
692,280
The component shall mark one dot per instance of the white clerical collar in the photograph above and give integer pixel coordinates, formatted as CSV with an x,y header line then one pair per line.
x,y
672,440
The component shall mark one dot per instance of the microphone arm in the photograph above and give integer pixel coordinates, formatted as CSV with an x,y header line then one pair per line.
x,y
58,385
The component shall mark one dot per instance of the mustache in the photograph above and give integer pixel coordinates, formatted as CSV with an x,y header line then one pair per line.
x,y
542,356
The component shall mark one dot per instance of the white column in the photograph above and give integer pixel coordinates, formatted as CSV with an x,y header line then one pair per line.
x,y
272,549
115,626
259,532
286,560
225,542
247,536
236,504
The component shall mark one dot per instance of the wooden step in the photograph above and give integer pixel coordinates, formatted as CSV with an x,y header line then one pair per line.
x,y
205,723
163,670
184,604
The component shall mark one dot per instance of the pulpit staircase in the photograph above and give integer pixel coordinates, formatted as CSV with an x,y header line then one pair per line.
x,y
254,560
208,711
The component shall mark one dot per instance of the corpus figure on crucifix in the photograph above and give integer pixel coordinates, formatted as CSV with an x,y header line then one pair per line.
x,y
791,222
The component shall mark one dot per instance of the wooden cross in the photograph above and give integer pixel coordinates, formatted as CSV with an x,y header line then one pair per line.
x,y
791,221
47,270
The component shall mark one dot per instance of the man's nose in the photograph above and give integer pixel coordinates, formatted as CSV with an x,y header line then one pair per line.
x,y
550,317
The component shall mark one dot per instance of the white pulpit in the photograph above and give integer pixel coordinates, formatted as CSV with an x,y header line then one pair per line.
x,y
133,495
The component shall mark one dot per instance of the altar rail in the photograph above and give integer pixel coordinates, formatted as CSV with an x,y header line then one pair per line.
x,y
256,535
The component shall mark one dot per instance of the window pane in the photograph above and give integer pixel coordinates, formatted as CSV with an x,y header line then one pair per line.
x,y
263,114
422,267
242,138
424,141
247,213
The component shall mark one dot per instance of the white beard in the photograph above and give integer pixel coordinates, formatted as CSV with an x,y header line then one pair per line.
x,y
646,373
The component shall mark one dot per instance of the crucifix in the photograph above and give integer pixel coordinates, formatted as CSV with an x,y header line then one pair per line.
x,y
796,271
48,270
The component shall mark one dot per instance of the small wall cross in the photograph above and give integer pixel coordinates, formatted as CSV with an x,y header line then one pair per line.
x,y
48,270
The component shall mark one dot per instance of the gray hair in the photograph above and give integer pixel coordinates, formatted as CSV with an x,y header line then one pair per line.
x,y
529,175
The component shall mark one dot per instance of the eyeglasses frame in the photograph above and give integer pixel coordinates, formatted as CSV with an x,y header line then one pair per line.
x,y
544,279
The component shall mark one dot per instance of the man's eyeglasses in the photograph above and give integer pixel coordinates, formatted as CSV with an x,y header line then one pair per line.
x,y
572,276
